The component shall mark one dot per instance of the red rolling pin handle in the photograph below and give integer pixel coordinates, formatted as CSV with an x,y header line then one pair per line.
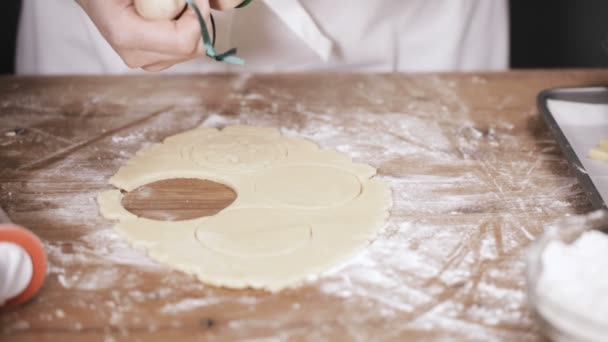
x,y
24,240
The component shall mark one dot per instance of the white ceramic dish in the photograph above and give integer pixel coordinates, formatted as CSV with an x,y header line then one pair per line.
x,y
556,321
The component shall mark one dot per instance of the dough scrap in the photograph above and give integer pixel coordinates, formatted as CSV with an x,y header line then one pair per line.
x,y
600,152
299,210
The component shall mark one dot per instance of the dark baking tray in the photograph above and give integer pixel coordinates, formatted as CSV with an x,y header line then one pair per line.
x,y
594,95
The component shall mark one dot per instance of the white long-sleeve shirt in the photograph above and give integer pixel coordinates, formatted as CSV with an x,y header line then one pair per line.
x,y
57,37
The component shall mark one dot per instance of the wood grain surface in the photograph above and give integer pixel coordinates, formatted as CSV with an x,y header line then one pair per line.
x,y
474,172
178,199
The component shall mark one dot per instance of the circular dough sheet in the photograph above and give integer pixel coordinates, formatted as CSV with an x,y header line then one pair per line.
x,y
299,211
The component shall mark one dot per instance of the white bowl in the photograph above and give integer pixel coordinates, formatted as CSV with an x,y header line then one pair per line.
x,y
556,321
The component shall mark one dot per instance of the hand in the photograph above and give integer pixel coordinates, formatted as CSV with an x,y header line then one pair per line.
x,y
150,45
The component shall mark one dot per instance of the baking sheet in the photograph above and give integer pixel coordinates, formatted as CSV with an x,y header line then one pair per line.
x,y
578,118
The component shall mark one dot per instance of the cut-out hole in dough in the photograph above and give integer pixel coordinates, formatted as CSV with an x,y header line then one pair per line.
x,y
178,199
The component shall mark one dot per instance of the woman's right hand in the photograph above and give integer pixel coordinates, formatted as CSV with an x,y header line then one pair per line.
x,y
141,43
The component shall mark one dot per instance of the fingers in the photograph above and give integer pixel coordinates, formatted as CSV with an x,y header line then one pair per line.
x,y
160,66
190,14
145,43
139,58
166,37
166,43
179,37
169,62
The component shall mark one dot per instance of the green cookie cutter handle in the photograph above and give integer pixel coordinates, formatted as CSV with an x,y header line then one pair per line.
x,y
228,56
244,3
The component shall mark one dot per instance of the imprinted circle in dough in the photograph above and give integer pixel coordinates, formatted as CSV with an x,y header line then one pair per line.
x,y
254,232
237,153
308,186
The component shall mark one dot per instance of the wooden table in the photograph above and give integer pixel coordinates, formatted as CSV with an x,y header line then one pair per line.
x,y
474,172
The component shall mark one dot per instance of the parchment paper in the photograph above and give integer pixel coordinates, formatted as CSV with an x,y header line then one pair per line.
x,y
584,125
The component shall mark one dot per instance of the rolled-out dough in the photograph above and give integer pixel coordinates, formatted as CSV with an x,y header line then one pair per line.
x,y
299,210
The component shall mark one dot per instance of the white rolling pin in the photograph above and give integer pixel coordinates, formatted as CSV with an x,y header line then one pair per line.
x,y
22,263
